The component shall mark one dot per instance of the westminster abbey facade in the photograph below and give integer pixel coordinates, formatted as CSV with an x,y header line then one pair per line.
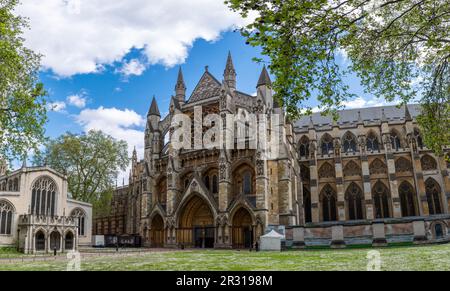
x,y
370,165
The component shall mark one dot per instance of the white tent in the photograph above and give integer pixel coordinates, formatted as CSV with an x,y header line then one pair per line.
x,y
271,241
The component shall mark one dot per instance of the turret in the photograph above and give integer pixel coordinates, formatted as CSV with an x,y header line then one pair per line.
x,y
264,88
180,88
154,116
229,74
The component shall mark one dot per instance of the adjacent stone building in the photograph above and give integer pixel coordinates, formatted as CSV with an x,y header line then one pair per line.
x,y
369,166
37,216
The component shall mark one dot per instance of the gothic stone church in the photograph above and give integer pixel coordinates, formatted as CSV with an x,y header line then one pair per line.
x,y
370,165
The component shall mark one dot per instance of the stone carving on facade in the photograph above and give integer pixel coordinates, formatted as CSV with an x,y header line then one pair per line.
x,y
352,169
312,149
259,164
428,163
403,165
327,171
377,167
259,106
362,143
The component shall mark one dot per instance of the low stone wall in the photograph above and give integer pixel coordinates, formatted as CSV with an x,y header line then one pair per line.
x,y
419,230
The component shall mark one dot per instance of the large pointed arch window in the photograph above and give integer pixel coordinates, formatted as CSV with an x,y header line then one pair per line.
x,y
349,143
6,217
304,147
327,144
433,192
354,197
380,195
373,144
395,141
407,199
81,216
43,197
329,203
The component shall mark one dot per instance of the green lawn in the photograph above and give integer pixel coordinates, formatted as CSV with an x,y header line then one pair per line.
x,y
9,253
395,258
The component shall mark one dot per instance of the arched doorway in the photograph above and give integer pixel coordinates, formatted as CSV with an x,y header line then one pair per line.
x,y
40,241
157,232
242,229
196,224
68,242
55,241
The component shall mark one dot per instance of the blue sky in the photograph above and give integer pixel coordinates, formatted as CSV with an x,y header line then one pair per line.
x,y
103,61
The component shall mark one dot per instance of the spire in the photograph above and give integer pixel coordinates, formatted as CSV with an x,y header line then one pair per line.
x,y
134,154
230,73
407,113
264,79
230,66
180,87
154,110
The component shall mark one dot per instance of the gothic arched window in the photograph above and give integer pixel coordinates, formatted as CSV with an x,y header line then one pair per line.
x,y
244,180
433,191
428,163
43,197
81,216
247,183
304,147
327,144
380,195
6,217
407,199
349,143
307,204
372,142
395,141
354,198
329,203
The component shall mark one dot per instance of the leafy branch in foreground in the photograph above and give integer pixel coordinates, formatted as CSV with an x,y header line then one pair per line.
x,y
400,49
23,111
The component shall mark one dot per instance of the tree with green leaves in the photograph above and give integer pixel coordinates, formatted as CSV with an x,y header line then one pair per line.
x,y
23,111
91,162
400,49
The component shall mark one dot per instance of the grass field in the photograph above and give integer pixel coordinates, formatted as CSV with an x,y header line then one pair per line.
x,y
435,257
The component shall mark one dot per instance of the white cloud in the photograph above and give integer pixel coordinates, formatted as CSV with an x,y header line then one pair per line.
x,y
82,36
360,102
121,124
57,106
77,100
132,68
